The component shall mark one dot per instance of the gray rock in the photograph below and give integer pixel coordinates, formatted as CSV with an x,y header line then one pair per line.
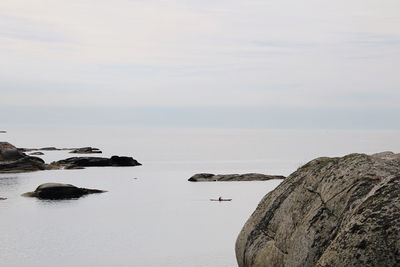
x,y
13,160
77,162
86,150
330,212
37,153
9,152
208,177
60,191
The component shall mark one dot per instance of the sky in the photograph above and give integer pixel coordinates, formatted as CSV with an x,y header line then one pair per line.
x,y
236,64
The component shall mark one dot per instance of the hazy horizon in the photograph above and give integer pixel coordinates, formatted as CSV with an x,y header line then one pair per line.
x,y
225,64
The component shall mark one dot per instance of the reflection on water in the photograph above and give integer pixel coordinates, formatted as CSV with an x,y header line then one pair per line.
x,y
8,181
8,185
47,203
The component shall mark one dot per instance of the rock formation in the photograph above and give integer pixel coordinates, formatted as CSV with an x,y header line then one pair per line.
x,y
13,160
37,153
43,149
60,191
86,150
78,162
208,177
330,212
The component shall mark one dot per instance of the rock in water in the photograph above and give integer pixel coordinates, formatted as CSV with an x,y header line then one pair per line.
x,y
114,161
208,177
330,212
60,191
86,150
13,160
37,153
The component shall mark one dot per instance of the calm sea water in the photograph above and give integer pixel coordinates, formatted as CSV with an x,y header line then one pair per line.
x,y
152,216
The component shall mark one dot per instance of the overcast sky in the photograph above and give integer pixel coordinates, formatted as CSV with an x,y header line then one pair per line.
x,y
285,55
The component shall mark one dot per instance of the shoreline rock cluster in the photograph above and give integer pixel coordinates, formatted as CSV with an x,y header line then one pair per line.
x,y
80,150
330,212
14,160
208,177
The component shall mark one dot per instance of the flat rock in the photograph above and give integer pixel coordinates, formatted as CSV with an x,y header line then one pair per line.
x,y
60,191
330,212
86,150
208,177
114,161
37,153
51,148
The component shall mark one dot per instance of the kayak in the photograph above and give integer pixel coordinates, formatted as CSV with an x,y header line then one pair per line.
x,y
225,199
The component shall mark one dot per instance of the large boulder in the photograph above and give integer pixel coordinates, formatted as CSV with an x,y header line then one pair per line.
x,y
8,152
13,160
330,212
60,191
208,177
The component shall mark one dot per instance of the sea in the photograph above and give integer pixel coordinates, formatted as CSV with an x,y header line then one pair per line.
x,y
152,215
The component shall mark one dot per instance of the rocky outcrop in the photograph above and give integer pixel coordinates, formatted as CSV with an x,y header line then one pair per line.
x,y
86,150
330,212
13,160
208,177
79,162
60,191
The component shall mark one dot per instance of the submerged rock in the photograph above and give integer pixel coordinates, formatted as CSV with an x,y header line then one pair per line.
x,y
60,191
330,212
77,162
13,160
208,177
86,150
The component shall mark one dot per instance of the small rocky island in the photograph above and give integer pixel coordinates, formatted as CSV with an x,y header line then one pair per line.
x,y
330,212
86,150
208,177
80,162
14,160
56,191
